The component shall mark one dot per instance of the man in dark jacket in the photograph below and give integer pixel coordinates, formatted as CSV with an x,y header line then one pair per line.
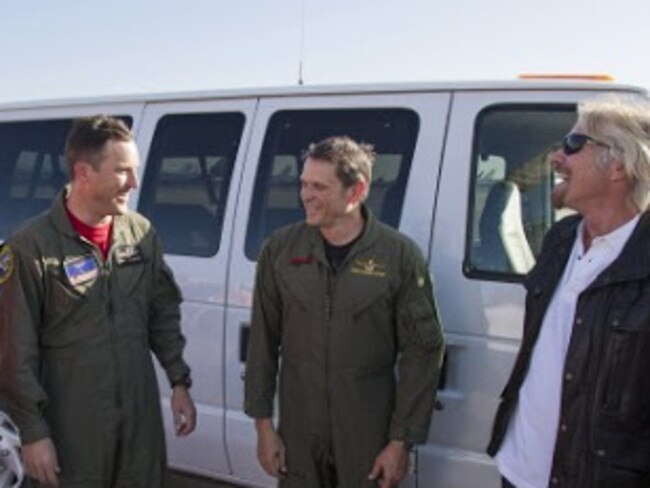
x,y
85,296
576,410
341,297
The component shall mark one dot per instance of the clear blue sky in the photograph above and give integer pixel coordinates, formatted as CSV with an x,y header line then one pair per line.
x,y
70,48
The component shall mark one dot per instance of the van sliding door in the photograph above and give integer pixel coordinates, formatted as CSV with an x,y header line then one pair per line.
x,y
406,131
494,209
190,173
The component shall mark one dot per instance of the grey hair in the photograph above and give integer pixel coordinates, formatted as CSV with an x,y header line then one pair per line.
x,y
623,123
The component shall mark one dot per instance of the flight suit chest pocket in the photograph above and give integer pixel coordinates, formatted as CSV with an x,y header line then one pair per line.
x,y
302,284
64,298
71,283
131,288
129,271
362,296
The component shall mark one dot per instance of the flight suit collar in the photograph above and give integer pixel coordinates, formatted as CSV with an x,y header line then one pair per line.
x,y
60,217
122,232
367,238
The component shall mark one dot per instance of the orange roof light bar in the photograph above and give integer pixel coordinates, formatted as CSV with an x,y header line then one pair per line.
x,y
596,77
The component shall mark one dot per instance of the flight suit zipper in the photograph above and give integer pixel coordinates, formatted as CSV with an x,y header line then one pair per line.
x,y
329,299
107,268
329,311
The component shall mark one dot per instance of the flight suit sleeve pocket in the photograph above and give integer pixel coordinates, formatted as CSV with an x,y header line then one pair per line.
x,y
422,318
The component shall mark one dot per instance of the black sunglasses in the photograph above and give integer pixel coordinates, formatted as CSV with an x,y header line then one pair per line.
x,y
573,143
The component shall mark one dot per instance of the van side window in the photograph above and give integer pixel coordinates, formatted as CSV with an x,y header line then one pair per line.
x,y
187,176
276,197
33,168
510,201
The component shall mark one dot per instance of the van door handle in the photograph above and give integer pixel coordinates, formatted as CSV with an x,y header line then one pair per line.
x,y
442,381
244,333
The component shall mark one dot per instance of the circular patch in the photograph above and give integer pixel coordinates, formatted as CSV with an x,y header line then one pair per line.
x,y
6,263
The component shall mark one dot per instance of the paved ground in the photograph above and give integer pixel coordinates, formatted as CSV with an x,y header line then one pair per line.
x,y
177,480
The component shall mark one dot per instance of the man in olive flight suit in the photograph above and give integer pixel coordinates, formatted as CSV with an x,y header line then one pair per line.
x,y
341,297
85,296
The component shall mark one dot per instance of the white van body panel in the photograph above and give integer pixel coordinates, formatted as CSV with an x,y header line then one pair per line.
x,y
116,108
482,316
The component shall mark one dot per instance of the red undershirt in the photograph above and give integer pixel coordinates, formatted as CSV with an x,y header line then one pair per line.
x,y
99,236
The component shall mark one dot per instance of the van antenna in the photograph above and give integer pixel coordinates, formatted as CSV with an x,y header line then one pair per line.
x,y
301,80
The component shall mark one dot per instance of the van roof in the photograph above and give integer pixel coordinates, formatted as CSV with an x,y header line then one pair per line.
x,y
353,89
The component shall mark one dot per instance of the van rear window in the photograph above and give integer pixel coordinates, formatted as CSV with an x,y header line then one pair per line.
x,y
276,197
33,168
187,177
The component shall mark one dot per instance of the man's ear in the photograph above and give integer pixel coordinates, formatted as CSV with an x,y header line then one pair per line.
x,y
617,170
80,171
358,192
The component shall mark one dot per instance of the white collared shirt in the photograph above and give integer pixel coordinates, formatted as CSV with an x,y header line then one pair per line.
x,y
526,455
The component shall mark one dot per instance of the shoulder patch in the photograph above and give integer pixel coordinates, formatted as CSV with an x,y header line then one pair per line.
x,y
7,263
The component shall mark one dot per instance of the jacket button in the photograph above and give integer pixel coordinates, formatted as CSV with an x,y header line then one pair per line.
x,y
579,321
600,453
554,480
615,322
568,377
563,427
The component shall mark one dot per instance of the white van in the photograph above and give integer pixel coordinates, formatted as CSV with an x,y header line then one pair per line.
x,y
462,168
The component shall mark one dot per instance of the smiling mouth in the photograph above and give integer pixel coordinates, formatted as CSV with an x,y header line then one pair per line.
x,y
560,178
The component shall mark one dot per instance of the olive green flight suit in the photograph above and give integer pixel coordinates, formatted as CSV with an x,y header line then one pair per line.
x,y
339,336
83,330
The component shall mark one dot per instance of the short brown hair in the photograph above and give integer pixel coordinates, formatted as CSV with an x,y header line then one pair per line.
x,y
88,136
353,160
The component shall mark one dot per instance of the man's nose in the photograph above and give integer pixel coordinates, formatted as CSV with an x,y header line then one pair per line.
x,y
133,180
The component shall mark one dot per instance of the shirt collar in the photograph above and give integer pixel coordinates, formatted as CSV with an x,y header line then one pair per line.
x,y
611,242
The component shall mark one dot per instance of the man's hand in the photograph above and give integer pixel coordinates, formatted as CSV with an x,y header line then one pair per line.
x,y
41,462
270,449
390,465
183,410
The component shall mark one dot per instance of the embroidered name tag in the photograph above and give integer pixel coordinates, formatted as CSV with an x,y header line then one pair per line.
x,y
128,255
368,267
81,270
